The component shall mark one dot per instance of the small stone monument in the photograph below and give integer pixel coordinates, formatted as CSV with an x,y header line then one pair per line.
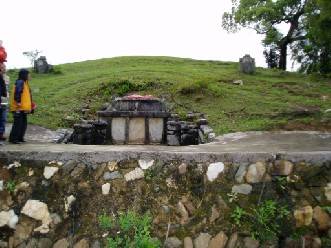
x,y
41,66
247,64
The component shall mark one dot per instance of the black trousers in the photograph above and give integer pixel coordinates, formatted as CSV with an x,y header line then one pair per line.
x,y
19,127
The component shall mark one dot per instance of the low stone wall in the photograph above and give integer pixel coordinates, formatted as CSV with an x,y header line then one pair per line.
x,y
273,203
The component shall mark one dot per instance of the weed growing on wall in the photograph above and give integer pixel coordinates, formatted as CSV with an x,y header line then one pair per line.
x,y
237,215
10,186
105,222
327,209
129,230
264,221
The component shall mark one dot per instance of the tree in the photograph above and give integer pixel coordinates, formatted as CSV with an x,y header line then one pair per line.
x,y
314,54
32,55
266,17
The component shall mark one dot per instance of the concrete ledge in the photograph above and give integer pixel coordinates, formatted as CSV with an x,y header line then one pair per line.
x,y
92,155
311,147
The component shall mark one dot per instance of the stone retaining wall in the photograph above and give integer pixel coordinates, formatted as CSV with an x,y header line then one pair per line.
x,y
192,204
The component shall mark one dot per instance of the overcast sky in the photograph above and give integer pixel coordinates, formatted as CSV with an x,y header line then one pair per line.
x,y
77,30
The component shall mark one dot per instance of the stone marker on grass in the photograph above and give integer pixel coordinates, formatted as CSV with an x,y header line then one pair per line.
x,y
247,64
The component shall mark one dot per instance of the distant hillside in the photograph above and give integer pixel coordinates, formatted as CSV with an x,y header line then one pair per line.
x,y
268,100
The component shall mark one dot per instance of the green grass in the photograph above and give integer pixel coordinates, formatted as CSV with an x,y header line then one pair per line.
x,y
187,85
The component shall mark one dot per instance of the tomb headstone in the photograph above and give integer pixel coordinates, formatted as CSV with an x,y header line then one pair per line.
x,y
247,64
41,66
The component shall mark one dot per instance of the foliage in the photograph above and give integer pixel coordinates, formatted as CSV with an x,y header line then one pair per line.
x,y
130,230
268,217
233,196
32,55
281,182
264,221
326,241
55,70
308,34
105,222
123,87
265,18
206,86
327,208
299,232
314,54
10,186
237,215
149,174
272,57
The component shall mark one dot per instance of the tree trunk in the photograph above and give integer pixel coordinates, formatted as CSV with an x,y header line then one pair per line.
x,y
283,56
325,61
288,39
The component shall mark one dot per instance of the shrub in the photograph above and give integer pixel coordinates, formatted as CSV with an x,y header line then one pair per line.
x,y
193,88
123,87
205,87
56,70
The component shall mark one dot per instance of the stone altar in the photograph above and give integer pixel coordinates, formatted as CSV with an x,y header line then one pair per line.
x,y
135,120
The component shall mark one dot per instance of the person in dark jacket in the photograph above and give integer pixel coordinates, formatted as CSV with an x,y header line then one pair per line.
x,y
3,89
20,106
3,93
4,82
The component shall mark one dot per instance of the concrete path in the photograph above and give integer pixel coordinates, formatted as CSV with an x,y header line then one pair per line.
x,y
35,134
314,147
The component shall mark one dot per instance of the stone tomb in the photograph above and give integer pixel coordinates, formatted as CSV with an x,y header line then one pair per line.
x,y
141,120
135,120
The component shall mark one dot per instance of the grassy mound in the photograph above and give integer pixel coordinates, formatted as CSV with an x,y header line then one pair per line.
x,y
268,100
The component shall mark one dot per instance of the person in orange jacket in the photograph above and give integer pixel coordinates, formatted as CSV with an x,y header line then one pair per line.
x,y
20,105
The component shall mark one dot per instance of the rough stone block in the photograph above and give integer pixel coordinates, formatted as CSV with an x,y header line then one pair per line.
x,y
172,140
206,129
172,128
